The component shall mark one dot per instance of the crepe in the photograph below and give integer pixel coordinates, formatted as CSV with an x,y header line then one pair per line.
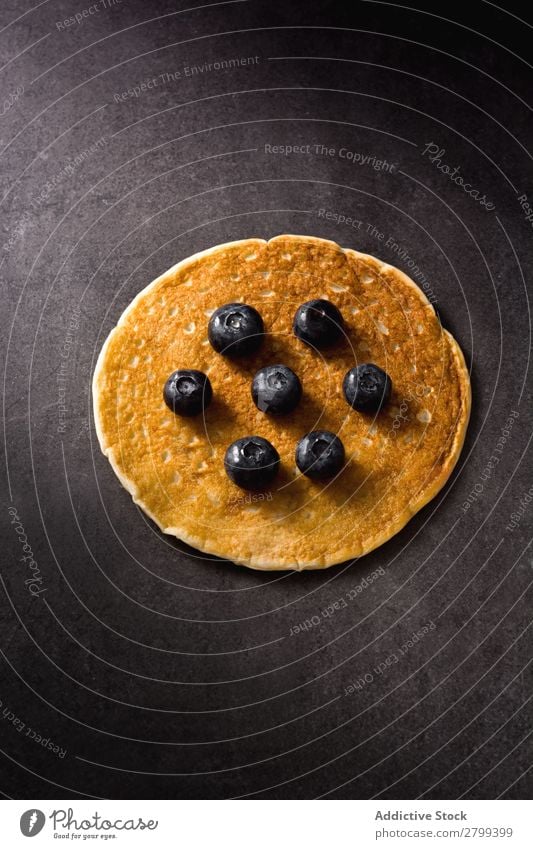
x,y
396,461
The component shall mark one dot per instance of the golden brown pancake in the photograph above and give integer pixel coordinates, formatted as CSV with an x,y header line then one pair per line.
x,y
396,461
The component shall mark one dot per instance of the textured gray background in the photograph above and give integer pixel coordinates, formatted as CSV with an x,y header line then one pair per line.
x,y
157,671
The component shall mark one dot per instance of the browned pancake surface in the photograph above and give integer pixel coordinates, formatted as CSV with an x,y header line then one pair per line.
x,y
173,467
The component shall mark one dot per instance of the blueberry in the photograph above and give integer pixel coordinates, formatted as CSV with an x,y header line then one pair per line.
x,y
187,392
367,388
320,454
235,330
251,462
276,389
318,323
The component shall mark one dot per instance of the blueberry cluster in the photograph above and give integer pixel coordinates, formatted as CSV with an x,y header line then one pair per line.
x,y
236,330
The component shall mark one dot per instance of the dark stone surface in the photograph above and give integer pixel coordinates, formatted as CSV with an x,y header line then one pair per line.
x,y
163,673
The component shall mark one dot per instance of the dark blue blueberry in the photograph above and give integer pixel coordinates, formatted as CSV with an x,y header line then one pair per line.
x,y
318,323
276,389
367,388
235,330
320,454
251,462
187,392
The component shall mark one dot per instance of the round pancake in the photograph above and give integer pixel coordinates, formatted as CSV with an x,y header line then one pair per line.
x,y
396,461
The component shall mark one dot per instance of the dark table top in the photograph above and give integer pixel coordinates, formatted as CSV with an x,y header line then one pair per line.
x,y
134,135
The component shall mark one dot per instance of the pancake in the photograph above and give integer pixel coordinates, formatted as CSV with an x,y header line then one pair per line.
x,y
396,461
